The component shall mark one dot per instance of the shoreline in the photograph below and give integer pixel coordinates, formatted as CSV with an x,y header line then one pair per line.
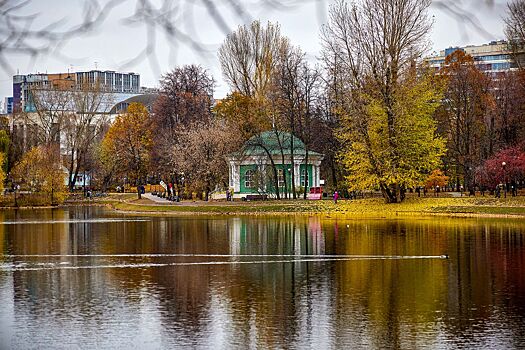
x,y
365,208
463,207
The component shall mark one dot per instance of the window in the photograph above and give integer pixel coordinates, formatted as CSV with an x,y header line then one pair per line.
x,y
248,179
303,174
280,177
500,66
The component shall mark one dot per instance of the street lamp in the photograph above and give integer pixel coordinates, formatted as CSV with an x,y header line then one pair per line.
x,y
504,165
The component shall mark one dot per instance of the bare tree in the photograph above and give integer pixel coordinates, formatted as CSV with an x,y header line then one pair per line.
x,y
248,58
84,126
515,29
285,99
47,109
200,153
294,97
186,97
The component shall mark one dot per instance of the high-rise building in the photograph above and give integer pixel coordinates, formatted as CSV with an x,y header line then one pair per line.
x,y
493,58
109,81
8,105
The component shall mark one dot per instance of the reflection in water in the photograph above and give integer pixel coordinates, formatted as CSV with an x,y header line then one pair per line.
x,y
263,282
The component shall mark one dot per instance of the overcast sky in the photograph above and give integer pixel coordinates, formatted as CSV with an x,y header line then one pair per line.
x,y
115,42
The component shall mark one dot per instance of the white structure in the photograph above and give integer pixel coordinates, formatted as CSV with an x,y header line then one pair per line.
x,y
252,170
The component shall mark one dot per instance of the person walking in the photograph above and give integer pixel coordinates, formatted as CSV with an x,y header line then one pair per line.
x,y
336,196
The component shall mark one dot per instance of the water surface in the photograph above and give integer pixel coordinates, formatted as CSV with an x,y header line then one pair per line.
x,y
90,278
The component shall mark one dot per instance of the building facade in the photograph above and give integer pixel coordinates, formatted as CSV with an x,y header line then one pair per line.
x,y
8,105
109,81
251,170
492,58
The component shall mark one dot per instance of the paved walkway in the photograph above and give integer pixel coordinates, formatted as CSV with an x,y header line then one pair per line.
x,y
156,199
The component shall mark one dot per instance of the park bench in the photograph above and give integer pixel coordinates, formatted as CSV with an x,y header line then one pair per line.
x,y
256,197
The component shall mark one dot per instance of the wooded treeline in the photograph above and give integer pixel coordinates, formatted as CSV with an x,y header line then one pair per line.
x,y
383,120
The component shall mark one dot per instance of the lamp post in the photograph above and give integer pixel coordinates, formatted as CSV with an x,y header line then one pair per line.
x,y
504,165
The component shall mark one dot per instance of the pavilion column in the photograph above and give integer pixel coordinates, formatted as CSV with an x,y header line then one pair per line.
x,y
236,176
317,175
297,172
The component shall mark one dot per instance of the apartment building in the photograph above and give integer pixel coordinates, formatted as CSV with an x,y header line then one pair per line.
x,y
492,58
109,81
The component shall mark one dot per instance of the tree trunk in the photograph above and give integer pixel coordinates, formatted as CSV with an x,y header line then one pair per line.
x,y
391,193
208,190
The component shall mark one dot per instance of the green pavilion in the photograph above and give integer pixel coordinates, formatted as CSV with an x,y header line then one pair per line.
x,y
252,170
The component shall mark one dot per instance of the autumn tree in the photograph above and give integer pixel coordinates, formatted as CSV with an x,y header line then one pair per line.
x,y
200,153
3,158
436,178
107,163
186,96
4,150
130,140
462,116
506,122
492,172
388,132
244,113
40,171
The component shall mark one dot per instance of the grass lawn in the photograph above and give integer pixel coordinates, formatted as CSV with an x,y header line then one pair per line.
x,y
371,207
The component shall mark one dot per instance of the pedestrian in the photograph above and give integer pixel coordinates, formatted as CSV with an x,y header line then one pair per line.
x,y
418,190
336,196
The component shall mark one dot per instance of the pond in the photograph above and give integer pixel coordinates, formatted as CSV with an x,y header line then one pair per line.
x,y
87,277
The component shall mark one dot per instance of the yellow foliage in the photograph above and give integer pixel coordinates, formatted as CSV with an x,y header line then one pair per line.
x,y
2,172
40,170
399,155
129,141
247,113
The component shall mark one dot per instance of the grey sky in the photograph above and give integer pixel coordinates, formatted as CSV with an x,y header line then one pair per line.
x,y
115,43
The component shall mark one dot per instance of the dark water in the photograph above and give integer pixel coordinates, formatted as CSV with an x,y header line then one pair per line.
x,y
127,282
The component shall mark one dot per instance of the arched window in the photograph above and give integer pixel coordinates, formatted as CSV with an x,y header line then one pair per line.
x,y
248,179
